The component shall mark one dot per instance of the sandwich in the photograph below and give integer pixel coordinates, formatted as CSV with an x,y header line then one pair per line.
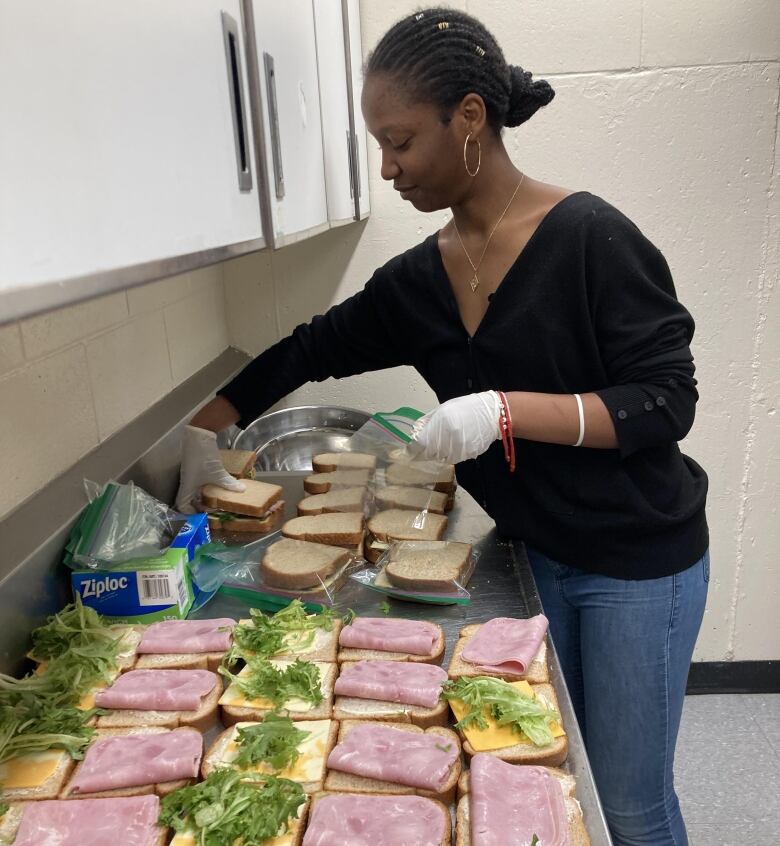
x,y
136,761
290,633
333,529
514,721
328,462
395,691
361,819
505,803
397,524
505,647
412,499
429,566
391,639
239,462
167,698
422,474
258,509
131,820
301,690
323,482
184,644
231,808
309,569
397,758
333,502
276,746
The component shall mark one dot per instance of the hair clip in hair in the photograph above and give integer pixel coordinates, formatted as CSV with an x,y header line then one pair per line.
x,y
480,52
419,16
444,25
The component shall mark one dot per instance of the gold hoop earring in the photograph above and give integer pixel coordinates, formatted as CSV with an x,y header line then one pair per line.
x,y
465,158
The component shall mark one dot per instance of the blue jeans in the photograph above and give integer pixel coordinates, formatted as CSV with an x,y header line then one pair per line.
x,y
625,648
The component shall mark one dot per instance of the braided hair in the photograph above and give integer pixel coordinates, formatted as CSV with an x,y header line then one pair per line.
x,y
440,55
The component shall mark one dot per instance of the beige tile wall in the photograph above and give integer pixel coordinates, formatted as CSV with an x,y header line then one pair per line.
x,y
70,378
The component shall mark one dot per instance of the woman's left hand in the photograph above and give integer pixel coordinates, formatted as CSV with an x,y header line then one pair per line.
x,y
460,428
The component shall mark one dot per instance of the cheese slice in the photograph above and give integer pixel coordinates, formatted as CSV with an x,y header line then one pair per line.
x,y
29,771
287,839
495,736
233,695
293,640
310,765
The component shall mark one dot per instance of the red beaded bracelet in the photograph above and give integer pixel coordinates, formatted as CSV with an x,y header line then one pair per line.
x,y
505,427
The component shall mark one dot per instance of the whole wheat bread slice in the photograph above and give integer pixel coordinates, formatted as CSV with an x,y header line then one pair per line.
x,y
239,462
347,654
323,482
329,462
537,672
525,752
161,789
227,522
399,524
298,564
440,477
411,499
252,502
334,502
323,648
213,759
348,783
333,529
49,789
428,565
202,719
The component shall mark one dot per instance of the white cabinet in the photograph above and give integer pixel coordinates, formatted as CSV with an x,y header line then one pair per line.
x,y
352,15
284,72
118,143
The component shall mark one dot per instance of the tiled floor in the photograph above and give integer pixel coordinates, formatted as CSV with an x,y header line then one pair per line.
x,y
728,769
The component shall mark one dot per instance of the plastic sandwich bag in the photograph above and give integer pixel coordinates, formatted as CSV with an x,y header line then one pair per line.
x,y
420,557
120,523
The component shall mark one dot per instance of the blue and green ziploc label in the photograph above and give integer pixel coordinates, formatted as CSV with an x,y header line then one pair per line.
x,y
398,423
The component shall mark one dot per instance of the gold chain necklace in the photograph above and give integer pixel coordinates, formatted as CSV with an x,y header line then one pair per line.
x,y
474,281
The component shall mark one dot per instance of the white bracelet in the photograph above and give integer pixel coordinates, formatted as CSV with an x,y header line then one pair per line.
x,y
581,414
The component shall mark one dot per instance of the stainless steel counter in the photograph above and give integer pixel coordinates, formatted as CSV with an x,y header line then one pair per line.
x,y
502,585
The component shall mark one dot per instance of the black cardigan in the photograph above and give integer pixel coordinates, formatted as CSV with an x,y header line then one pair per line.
x,y
588,305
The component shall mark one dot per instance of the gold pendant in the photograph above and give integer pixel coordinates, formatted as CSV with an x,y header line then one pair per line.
x,y
474,282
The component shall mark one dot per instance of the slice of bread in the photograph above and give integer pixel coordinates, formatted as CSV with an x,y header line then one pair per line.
x,y
239,462
538,671
323,482
323,648
161,789
225,521
348,783
399,524
292,564
222,751
446,839
440,477
524,751
56,765
183,661
328,462
333,502
292,837
252,502
429,565
578,835
347,654
333,529
411,499
202,719
236,713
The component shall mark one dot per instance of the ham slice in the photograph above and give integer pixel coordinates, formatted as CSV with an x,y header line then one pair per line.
x,y
375,821
129,821
506,644
177,637
412,758
133,760
509,804
390,635
392,681
158,690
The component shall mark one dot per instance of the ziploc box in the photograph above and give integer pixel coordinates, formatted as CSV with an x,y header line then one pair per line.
x,y
146,590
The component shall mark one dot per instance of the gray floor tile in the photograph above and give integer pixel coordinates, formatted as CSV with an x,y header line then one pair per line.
x,y
755,834
729,714
765,709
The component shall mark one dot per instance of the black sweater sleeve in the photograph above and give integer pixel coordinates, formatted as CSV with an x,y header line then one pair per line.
x,y
352,337
643,334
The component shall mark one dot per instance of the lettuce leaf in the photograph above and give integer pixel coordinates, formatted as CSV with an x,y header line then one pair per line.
x,y
299,680
275,742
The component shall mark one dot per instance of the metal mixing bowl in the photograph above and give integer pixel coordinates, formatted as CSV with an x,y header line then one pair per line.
x,y
288,438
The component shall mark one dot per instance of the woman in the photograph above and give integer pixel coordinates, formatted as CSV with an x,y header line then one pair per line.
x,y
556,299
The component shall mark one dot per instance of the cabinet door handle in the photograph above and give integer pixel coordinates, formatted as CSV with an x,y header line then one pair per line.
x,y
273,116
351,171
357,166
236,88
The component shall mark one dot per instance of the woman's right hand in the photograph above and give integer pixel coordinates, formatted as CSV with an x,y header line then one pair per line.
x,y
201,465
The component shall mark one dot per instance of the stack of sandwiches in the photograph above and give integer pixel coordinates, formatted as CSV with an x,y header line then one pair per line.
x,y
257,510
335,733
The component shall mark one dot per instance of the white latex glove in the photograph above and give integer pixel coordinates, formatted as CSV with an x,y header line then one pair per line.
x,y
201,465
460,428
